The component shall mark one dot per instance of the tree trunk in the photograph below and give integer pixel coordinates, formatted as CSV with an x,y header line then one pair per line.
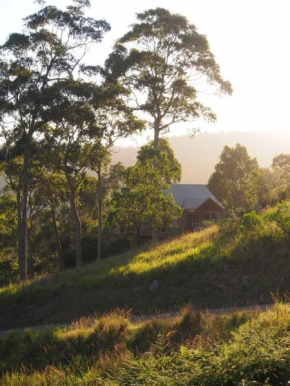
x,y
22,215
100,213
24,208
138,235
156,136
78,226
57,236
21,262
154,236
30,255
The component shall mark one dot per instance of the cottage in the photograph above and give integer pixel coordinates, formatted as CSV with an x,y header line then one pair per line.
x,y
198,203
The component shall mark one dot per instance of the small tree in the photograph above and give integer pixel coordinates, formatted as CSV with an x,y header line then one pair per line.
x,y
282,163
51,190
114,120
87,118
164,61
271,183
234,180
143,200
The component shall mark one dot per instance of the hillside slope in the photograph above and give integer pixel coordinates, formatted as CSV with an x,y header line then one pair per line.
x,y
211,268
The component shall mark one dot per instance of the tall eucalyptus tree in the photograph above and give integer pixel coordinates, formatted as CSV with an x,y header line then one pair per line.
x,y
51,48
166,63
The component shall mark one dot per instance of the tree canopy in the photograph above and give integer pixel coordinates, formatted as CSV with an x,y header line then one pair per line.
x,y
144,199
166,62
60,116
50,50
234,180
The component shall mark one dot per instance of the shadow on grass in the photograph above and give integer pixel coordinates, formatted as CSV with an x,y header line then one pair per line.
x,y
214,272
88,341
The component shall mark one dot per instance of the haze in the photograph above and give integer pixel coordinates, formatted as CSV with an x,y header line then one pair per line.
x,y
198,156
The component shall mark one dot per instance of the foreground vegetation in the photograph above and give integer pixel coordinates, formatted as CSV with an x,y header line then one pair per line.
x,y
243,261
195,349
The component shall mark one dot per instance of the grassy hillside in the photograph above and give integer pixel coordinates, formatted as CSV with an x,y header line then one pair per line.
x,y
237,263
195,349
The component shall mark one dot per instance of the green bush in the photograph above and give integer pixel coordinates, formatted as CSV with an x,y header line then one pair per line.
x,y
251,221
281,216
8,271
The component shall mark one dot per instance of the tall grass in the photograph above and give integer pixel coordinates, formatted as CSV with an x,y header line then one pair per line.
x,y
118,268
195,349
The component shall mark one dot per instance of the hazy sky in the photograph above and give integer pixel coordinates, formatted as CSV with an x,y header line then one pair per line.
x,y
250,40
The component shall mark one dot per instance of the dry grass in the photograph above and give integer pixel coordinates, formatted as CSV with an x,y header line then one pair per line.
x,y
194,349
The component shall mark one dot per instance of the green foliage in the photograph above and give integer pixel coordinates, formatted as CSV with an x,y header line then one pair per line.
x,y
281,216
35,68
251,221
281,168
235,179
143,200
270,186
282,162
256,354
8,271
157,57
194,349
8,226
8,221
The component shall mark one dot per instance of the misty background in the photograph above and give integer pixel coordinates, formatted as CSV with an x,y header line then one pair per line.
x,y
199,155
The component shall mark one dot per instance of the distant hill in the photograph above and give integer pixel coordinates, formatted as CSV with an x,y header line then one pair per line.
x,y
199,155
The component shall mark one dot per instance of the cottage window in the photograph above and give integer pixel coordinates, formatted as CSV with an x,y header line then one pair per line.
x,y
211,216
207,216
191,220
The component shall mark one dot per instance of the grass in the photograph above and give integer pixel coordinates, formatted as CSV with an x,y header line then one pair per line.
x,y
238,263
194,349
257,353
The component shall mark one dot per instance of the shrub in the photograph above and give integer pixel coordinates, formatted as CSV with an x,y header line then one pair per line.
x,y
251,221
281,216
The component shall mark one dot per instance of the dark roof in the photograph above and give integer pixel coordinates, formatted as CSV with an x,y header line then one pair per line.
x,y
192,196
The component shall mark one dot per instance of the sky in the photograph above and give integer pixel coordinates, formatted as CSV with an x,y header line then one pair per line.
x,y
249,38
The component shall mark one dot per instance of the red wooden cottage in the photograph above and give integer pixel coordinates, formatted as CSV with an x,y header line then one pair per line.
x,y
198,203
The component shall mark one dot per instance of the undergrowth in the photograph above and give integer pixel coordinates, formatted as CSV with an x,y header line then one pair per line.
x,y
194,349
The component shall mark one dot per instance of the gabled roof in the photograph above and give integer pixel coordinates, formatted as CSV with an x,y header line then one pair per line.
x,y
192,196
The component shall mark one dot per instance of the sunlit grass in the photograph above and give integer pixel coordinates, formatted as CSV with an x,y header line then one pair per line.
x,y
219,266
167,254
189,247
194,349
217,263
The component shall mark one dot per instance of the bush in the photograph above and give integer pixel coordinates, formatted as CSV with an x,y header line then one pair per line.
x,y
8,272
251,221
282,218
116,246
